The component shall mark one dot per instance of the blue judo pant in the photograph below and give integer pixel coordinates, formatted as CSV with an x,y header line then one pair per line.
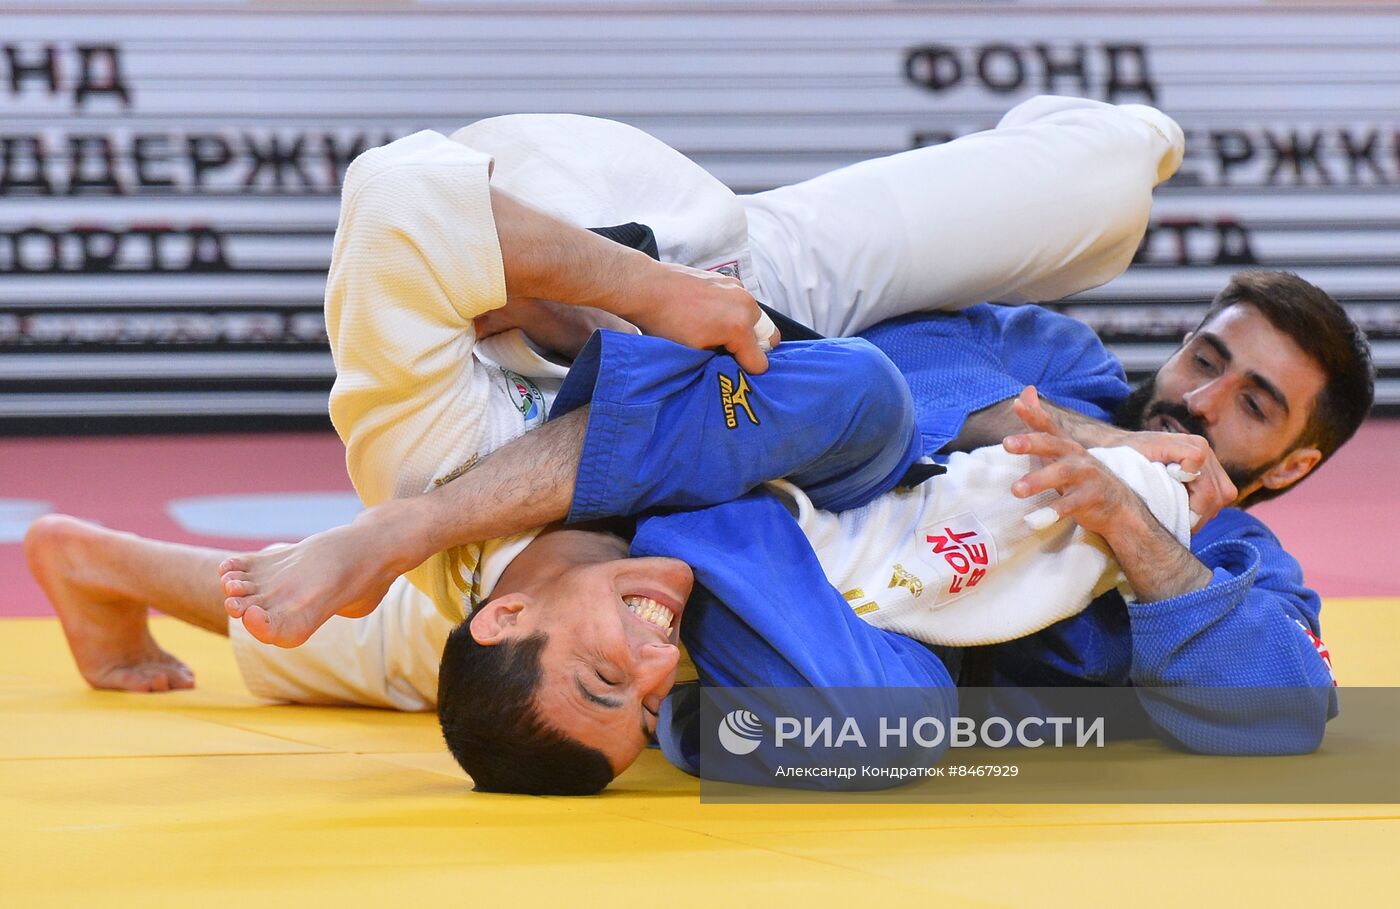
x,y
673,427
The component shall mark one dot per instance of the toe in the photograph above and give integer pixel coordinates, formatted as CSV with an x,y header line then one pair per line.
x,y
176,668
259,624
132,678
236,583
177,675
233,563
237,606
238,588
273,628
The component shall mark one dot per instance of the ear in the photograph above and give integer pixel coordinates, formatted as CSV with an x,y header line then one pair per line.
x,y
497,620
1295,465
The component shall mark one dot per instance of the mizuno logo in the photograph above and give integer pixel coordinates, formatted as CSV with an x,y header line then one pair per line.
x,y
734,396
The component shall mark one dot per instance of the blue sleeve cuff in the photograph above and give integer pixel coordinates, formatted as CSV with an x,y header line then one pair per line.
x,y
1234,565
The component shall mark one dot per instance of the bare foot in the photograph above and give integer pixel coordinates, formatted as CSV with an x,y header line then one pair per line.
x,y
79,566
284,594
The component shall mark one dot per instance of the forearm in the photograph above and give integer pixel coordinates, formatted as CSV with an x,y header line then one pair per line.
x,y
550,259
1156,566
990,425
522,485
561,330
987,426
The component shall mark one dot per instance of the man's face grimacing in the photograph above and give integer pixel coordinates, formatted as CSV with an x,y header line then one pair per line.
x,y
1249,389
613,627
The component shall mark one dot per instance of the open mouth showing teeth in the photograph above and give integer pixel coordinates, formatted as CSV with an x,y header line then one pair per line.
x,y
648,610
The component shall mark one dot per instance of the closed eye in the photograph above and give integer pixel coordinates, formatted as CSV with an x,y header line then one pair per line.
x,y
598,699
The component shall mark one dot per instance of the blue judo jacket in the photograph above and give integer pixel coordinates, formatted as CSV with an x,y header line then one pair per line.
x,y
683,437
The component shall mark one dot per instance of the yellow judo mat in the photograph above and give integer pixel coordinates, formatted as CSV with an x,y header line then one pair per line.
x,y
209,798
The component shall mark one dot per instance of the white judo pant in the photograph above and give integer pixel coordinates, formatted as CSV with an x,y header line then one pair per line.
x,y
387,659
1053,201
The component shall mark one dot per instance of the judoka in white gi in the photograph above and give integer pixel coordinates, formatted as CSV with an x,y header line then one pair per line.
x,y
1053,201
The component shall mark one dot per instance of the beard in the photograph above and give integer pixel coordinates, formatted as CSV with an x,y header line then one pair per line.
x,y
1139,407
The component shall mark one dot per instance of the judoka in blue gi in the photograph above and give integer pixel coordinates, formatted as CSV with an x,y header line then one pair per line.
x,y
764,614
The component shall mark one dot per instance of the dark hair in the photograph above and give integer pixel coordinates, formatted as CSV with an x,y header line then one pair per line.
x,y
1322,329
486,705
